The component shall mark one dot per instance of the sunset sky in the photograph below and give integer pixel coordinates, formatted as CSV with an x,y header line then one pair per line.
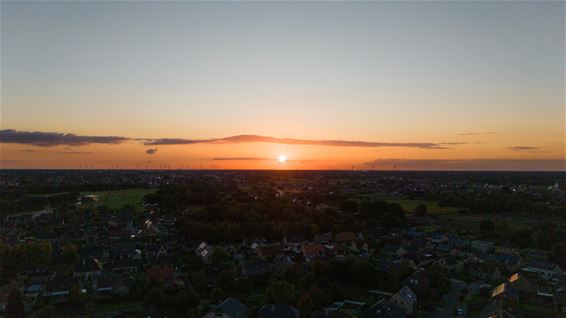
x,y
330,85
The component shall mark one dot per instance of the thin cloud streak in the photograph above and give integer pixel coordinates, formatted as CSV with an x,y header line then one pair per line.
x,y
242,159
524,148
75,152
175,141
478,133
261,159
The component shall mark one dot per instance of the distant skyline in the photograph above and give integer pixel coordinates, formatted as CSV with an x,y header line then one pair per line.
x,y
329,85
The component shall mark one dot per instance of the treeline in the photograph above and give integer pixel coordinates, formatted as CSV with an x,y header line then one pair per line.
x,y
18,201
505,201
27,255
179,198
207,213
545,236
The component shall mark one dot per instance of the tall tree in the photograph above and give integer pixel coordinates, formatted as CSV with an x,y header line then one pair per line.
x,y
305,305
15,305
421,210
281,292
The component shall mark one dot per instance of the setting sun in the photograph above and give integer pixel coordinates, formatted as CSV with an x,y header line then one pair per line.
x,y
282,159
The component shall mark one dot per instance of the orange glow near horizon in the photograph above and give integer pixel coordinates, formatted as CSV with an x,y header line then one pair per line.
x,y
267,156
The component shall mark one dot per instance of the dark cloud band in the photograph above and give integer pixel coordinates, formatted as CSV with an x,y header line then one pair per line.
x,y
292,141
468,164
151,151
50,139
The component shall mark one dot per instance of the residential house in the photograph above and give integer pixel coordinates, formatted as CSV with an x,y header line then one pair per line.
x,y
383,309
526,288
484,247
323,238
392,251
254,242
535,255
330,313
124,250
110,286
277,311
505,292
313,250
33,291
452,264
336,250
294,240
444,248
126,266
57,290
155,250
500,310
414,234
506,248
484,271
163,261
345,237
37,273
405,299
204,251
351,307
545,270
507,261
149,230
229,308
256,268
88,267
416,244
164,275
437,238
418,281
270,251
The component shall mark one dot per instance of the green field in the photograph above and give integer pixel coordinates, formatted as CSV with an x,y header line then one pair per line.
x,y
409,205
46,195
432,206
118,198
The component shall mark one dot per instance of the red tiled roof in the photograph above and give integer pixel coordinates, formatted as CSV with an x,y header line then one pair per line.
x,y
345,237
159,273
313,249
269,250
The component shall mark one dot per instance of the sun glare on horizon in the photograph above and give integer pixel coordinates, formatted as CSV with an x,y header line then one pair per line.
x,y
282,159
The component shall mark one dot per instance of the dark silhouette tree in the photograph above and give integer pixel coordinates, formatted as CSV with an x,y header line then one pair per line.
x,y
15,305
305,305
281,292
421,210
559,253
217,295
